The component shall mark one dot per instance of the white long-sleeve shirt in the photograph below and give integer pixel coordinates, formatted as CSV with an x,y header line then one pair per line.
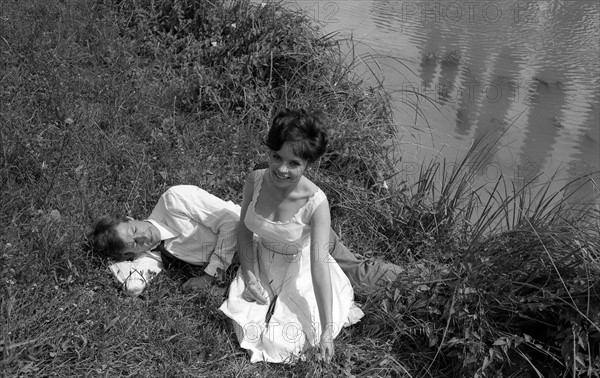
x,y
197,227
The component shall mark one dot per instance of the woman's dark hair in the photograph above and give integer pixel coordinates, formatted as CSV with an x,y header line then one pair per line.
x,y
304,130
105,241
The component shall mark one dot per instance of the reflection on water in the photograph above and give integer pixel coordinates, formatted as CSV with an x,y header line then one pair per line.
x,y
525,73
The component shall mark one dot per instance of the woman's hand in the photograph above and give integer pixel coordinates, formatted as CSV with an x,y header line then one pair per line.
x,y
255,292
326,345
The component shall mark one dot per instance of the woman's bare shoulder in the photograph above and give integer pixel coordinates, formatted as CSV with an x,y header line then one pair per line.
x,y
307,187
254,176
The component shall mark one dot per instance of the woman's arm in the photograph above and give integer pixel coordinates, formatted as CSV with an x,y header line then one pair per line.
x,y
321,278
254,290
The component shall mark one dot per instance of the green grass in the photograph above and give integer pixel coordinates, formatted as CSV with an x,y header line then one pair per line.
x,y
105,104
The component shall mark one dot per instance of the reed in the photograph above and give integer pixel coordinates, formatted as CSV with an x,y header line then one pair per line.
x,y
504,279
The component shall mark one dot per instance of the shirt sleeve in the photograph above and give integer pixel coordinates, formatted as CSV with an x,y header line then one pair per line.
x,y
226,245
216,215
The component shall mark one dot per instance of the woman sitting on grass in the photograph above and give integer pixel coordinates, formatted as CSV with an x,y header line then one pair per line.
x,y
289,293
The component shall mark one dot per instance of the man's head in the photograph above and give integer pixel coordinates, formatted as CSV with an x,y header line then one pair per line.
x,y
121,238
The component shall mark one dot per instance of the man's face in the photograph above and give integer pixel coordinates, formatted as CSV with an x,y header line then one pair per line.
x,y
139,236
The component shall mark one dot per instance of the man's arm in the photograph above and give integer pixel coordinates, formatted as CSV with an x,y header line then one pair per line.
x,y
213,221
225,227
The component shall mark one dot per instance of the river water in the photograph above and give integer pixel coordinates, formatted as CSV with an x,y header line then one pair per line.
x,y
523,73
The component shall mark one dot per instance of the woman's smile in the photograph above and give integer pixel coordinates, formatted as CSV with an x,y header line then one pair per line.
x,y
280,176
286,166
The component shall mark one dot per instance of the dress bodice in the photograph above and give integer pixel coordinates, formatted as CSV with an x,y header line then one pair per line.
x,y
286,237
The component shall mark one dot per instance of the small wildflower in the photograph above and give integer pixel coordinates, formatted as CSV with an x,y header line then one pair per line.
x,y
55,215
234,25
79,169
214,43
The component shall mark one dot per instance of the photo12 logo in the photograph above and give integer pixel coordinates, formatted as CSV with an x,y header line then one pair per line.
x,y
470,11
471,92
527,172
327,12
321,12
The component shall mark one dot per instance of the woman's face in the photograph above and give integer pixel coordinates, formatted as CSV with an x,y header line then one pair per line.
x,y
286,167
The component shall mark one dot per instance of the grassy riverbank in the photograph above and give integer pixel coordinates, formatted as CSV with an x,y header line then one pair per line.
x,y
107,103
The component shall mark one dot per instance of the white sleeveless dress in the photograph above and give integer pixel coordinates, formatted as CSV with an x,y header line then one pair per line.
x,y
281,330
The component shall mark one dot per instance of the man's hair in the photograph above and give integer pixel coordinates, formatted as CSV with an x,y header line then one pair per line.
x,y
104,240
302,129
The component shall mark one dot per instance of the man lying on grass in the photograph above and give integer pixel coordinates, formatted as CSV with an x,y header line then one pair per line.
x,y
190,226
